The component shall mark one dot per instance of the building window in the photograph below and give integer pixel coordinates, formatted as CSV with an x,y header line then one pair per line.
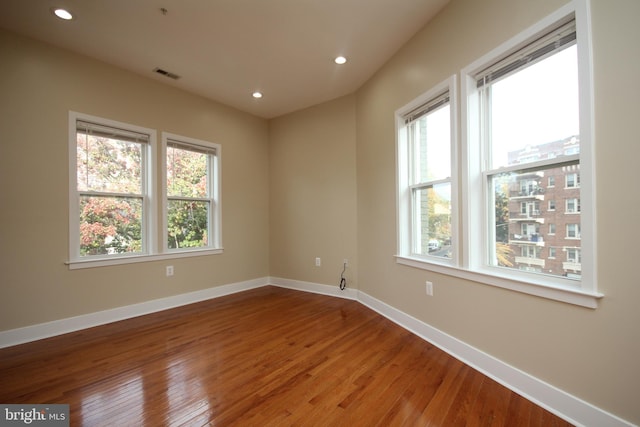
x,y
551,182
552,228
572,206
573,255
552,252
191,193
427,202
573,231
114,218
572,180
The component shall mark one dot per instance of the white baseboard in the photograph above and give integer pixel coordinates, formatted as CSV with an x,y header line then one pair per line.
x,y
556,401
564,405
315,288
58,327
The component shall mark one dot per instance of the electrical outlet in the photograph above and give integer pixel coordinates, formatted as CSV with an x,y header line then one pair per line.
x,y
169,270
429,288
318,262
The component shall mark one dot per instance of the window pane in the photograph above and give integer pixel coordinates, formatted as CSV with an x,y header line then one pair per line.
x,y
108,165
535,106
188,223
524,226
110,225
186,173
433,220
434,145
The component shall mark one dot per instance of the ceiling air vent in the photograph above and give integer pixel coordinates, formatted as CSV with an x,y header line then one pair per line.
x,y
166,73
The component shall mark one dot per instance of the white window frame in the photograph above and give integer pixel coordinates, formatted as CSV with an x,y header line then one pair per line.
x,y
583,292
405,227
574,229
472,245
572,205
152,250
148,180
577,255
213,175
575,179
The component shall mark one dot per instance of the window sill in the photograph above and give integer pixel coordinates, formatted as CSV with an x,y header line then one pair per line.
x,y
557,293
132,259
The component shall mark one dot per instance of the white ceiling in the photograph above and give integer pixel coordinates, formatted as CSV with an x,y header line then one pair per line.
x,y
227,49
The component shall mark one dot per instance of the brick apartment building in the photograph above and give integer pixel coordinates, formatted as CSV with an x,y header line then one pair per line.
x,y
544,211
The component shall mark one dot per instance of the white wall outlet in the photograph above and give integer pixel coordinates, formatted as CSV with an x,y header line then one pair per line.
x,y
318,262
169,270
429,288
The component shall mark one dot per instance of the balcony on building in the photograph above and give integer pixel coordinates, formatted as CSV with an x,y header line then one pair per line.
x,y
574,267
536,193
530,261
528,239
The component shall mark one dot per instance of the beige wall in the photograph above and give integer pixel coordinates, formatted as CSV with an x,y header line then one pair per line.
x,y
39,84
312,161
592,354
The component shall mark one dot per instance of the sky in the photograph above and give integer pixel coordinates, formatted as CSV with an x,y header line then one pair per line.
x,y
536,105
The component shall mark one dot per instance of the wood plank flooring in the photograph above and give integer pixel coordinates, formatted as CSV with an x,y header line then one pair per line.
x,y
264,357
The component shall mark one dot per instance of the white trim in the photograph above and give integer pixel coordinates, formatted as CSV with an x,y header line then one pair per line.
x,y
316,288
556,401
149,225
568,295
214,175
132,259
404,227
58,327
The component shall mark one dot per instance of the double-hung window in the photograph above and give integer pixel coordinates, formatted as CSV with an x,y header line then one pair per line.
x,y
110,189
117,213
427,185
528,125
191,193
528,115
526,146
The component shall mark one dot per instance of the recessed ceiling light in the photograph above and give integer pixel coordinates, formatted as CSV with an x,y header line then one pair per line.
x,y
257,95
340,60
62,13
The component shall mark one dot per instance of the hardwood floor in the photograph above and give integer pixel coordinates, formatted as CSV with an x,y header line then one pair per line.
x,y
265,357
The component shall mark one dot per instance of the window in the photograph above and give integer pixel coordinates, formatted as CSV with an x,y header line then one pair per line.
x,y
526,128
573,255
425,175
573,231
519,144
572,206
513,94
191,193
572,180
112,179
110,189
